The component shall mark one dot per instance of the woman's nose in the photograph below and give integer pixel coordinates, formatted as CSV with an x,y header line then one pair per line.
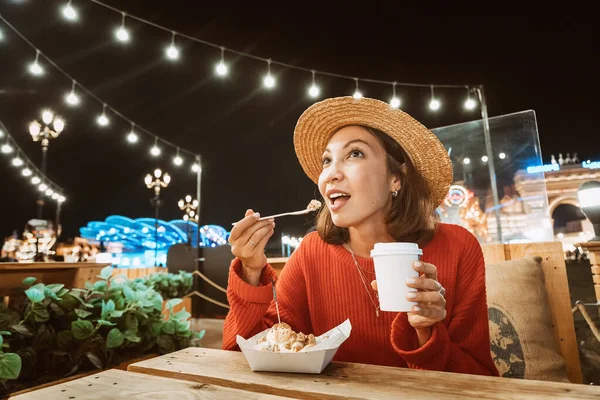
x,y
334,173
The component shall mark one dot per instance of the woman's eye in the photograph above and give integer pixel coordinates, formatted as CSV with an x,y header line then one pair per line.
x,y
326,161
356,153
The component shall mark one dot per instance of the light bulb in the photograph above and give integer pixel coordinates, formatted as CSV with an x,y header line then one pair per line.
x,y
35,180
484,158
470,104
72,98
157,173
59,125
195,167
172,52
314,91
188,198
49,192
102,120
69,12
26,172
221,69
7,148
132,137
122,34
36,69
467,161
357,95
269,81
47,116
61,199
502,156
177,160
43,187
395,102
17,162
155,151
55,196
434,104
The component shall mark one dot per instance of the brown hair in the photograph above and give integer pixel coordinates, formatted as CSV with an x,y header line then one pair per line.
x,y
411,217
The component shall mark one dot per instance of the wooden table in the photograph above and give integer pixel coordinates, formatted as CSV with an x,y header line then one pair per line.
x,y
117,384
72,275
349,380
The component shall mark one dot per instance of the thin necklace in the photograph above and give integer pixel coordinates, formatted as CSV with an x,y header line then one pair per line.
x,y
362,278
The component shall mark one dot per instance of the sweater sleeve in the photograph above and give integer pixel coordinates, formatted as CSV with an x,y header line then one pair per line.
x,y
461,343
252,308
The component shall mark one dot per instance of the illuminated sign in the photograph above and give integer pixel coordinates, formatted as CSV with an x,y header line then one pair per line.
x,y
457,195
591,165
543,168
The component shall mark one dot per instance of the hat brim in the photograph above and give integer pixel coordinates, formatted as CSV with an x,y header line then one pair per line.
x,y
321,120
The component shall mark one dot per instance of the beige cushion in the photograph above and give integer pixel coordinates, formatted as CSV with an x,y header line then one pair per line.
x,y
521,338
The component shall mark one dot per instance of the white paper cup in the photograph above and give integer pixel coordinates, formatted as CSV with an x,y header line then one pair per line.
x,y
393,265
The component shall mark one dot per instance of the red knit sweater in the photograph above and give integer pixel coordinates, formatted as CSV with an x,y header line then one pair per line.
x,y
320,287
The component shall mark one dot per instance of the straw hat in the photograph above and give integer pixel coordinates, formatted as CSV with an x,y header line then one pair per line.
x,y
322,119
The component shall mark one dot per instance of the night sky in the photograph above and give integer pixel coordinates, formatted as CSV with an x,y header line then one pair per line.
x,y
244,132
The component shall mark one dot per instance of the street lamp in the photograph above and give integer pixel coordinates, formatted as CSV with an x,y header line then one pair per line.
x,y
189,206
589,201
50,128
156,182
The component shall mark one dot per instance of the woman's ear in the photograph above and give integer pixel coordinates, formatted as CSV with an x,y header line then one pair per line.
x,y
395,184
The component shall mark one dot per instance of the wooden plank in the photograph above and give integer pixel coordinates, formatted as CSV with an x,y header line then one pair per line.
x,y
13,266
557,289
117,384
493,253
342,380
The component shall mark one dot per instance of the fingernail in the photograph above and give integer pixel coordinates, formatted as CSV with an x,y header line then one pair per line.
x,y
417,264
411,281
417,308
411,295
256,215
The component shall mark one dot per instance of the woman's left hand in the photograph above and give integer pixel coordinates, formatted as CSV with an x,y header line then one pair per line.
x,y
431,303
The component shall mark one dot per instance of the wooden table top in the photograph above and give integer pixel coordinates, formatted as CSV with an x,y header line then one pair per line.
x,y
17,266
117,384
350,380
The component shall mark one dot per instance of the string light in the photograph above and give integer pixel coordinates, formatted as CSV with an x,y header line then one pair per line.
x,y
172,52
121,33
102,118
132,137
314,90
35,180
434,104
268,80
43,187
484,159
357,93
470,104
72,98
466,161
26,172
69,12
195,167
35,68
55,196
502,156
221,68
49,192
155,150
17,162
177,160
61,199
395,101
7,148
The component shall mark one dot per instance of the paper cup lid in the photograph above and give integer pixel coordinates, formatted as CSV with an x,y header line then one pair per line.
x,y
396,248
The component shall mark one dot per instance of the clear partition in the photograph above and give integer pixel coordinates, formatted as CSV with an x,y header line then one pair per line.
x,y
487,196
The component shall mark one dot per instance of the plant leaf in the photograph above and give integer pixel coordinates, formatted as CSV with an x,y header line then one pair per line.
x,y
94,359
56,287
200,335
88,285
1,342
62,292
29,281
105,322
10,366
114,339
82,313
22,329
182,326
182,315
131,322
49,293
132,337
34,295
117,313
168,328
100,286
6,333
106,272
64,340
82,329
40,313
173,302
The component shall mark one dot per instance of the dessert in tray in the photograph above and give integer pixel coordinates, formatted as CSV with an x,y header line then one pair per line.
x,y
282,338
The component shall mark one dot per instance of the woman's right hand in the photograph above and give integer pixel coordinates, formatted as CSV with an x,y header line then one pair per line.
x,y
248,239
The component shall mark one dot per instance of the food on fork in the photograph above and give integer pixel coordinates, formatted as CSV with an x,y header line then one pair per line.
x,y
281,338
314,205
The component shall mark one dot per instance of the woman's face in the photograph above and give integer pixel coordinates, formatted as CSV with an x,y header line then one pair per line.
x,y
355,181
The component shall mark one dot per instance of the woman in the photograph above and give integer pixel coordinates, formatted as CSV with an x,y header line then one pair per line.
x,y
382,175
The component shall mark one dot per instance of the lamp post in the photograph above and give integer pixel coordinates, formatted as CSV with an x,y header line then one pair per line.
x,y
50,128
189,205
156,182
